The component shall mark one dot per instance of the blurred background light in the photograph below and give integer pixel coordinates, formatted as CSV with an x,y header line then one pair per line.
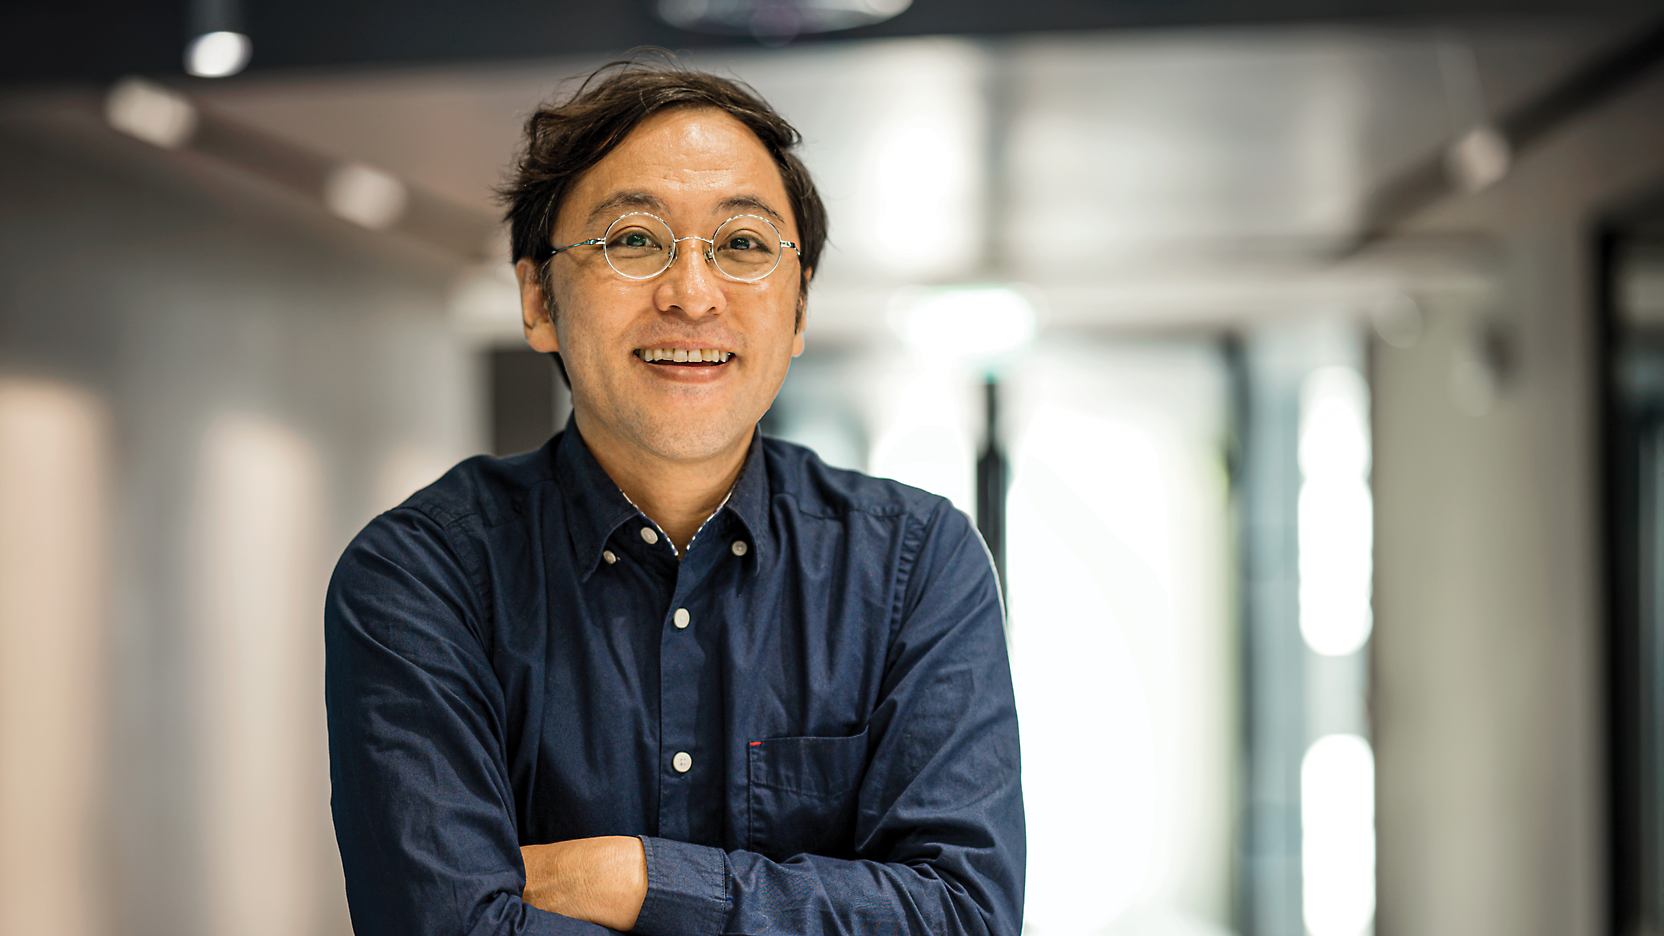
x,y
777,19
150,112
259,525
964,322
916,204
1336,512
921,430
1479,159
364,195
54,450
1480,155
1120,635
1337,817
219,54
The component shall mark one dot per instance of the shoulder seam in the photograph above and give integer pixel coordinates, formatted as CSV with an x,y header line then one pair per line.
x,y
912,543
897,511
465,552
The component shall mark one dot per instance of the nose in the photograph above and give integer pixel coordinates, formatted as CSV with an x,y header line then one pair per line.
x,y
692,285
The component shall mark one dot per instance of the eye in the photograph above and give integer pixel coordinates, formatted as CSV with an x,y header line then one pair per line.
x,y
745,242
633,239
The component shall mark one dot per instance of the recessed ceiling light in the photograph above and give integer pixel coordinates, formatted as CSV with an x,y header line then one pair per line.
x,y
217,54
777,20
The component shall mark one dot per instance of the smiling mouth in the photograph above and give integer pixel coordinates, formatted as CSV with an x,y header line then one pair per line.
x,y
698,357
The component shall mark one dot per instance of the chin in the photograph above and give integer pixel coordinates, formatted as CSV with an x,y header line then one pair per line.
x,y
682,443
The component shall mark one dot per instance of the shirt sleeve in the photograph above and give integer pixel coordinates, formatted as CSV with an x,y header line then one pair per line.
x,y
940,841
421,795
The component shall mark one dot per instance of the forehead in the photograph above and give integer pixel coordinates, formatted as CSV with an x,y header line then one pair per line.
x,y
691,161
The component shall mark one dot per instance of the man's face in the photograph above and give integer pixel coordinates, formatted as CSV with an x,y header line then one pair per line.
x,y
694,169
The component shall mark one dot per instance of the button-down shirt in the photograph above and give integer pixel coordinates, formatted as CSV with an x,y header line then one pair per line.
x,y
807,717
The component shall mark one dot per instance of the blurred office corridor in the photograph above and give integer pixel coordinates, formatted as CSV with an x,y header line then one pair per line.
x,y
1324,365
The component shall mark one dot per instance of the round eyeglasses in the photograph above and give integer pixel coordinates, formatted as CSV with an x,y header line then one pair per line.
x,y
640,246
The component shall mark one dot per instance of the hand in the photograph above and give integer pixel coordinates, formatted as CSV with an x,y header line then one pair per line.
x,y
597,880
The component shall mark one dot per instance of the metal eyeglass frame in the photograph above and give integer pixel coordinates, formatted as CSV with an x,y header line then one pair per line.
x,y
710,247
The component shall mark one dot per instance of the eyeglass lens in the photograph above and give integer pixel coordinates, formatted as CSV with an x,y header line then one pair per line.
x,y
745,248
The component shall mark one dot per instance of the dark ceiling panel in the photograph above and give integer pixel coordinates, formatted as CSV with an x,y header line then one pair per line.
x,y
47,41
102,39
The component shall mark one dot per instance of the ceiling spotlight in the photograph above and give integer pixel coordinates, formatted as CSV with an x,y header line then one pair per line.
x,y
777,21
150,112
1478,160
365,195
217,54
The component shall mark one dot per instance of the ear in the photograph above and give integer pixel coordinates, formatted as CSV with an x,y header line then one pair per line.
x,y
534,308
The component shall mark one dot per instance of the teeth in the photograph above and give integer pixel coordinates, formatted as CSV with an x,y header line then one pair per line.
x,y
681,355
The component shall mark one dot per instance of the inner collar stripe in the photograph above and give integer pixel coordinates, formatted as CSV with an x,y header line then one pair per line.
x,y
702,526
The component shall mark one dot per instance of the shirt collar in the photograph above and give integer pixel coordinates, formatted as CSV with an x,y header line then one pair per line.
x,y
748,500
595,507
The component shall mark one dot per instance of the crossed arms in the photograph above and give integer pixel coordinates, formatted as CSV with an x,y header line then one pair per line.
x,y
425,804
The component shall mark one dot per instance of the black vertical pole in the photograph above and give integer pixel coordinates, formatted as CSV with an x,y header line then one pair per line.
x,y
991,481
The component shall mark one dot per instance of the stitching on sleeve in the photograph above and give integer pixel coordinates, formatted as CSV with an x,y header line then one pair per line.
x,y
912,543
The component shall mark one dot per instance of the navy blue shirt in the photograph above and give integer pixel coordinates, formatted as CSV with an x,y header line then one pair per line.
x,y
807,717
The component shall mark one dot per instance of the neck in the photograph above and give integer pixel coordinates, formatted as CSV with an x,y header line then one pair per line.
x,y
677,494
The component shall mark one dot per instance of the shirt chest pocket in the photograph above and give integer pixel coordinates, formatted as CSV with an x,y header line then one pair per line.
x,y
802,795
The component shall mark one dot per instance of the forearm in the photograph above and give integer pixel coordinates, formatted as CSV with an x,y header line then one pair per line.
x,y
597,880
700,890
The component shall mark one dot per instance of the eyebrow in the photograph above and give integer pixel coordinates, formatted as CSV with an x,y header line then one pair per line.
x,y
607,209
604,210
740,202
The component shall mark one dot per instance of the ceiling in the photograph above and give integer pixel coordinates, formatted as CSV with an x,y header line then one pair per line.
x,y
102,39
1132,177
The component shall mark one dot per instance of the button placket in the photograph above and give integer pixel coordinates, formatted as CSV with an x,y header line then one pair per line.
x,y
684,671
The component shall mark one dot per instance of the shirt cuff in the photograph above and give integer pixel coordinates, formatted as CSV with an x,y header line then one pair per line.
x,y
687,889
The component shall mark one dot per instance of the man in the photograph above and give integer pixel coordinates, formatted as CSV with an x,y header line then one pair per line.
x,y
666,675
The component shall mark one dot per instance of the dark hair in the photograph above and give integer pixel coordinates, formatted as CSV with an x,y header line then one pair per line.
x,y
565,137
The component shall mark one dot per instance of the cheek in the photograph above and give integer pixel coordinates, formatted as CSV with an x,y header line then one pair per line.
x,y
580,322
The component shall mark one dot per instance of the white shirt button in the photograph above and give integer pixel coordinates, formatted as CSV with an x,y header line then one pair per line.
x,y
739,547
681,618
682,762
648,536
609,556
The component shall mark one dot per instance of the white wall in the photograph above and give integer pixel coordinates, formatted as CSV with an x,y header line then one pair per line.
x,y
1488,611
